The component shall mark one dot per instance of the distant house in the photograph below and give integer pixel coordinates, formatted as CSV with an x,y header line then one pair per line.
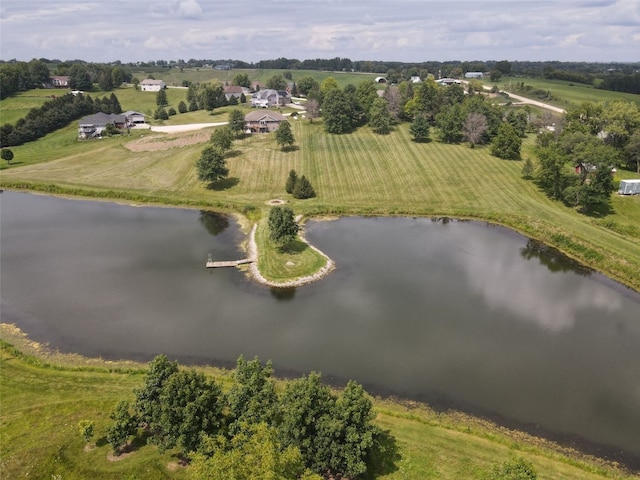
x,y
584,168
263,122
269,98
149,85
415,79
92,126
223,66
59,81
134,118
256,86
235,91
474,75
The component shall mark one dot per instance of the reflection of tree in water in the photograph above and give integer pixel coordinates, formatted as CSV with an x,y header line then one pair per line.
x,y
283,294
553,259
213,222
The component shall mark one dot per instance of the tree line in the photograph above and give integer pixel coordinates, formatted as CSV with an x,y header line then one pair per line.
x,y
303,430
55,114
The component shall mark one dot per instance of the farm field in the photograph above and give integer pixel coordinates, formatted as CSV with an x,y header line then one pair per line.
x,y
50,395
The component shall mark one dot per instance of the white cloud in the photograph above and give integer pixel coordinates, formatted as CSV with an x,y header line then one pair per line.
x,y
189,9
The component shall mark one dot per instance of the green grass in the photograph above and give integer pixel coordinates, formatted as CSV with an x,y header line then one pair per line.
x,y
44,398
566,93
360,173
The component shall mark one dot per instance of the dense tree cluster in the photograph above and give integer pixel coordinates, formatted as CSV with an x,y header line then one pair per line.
x,y
304,429
54,114
575,162
283,228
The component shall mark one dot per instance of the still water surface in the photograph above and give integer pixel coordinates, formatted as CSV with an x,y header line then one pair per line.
x,y
453,313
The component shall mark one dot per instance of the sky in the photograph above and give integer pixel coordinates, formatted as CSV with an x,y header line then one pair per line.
x,y
385,30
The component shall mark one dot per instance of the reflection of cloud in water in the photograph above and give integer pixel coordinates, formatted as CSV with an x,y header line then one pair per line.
x,y
533,293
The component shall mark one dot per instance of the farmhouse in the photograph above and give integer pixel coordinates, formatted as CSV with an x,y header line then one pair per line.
x,y
92,126
263,122
149,85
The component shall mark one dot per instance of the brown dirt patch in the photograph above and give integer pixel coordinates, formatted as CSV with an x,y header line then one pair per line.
x,y
276,201
153,143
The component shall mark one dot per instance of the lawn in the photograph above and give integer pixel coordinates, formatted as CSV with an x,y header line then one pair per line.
x,y
45,397
359,173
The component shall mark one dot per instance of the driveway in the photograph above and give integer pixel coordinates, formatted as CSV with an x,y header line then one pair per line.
x,y
184,128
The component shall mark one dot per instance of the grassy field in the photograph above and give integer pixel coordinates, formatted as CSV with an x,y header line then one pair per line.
x,y
565,93
45,397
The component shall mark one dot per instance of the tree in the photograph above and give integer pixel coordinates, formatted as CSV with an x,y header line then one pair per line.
x,y
328,84
211,96
313,109
527,168
182,107
147,402
379,118
551,175
283,228
161,114
236,122
284,135
79,78
419,128
449,122
291,181
252,398
515,469
171,112
394,102
211,165
115,104
337,112
161,98
241,80
519,119
303,189
222,138
506,143
38,73
632,151
105,81
86,428
367,94
306,84
190,407
495,75
253,453
193,105
307,422
125,425
7,155
474,128
277,82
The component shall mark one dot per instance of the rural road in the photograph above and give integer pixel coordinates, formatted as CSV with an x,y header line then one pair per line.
x,y
535,102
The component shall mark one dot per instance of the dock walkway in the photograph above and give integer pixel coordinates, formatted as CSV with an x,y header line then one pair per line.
x,y
228,263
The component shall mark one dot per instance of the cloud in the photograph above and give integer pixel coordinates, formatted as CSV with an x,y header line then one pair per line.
x,y
189,9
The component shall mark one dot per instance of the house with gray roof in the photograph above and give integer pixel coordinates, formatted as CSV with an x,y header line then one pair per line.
x,y
92,126
263,122
269,98
150,85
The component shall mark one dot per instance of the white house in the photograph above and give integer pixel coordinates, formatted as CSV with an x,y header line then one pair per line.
x,y
474,75
149,85
268,98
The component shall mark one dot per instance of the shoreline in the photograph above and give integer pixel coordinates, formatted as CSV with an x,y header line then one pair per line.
x,y
254,271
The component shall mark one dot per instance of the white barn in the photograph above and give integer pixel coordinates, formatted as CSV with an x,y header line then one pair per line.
x,y
629,187
149,85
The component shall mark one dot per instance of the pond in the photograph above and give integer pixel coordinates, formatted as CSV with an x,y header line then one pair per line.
x,y
455,313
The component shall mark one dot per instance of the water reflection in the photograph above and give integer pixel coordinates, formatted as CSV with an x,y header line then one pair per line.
x,y
214,223
283,294
553,302
551,258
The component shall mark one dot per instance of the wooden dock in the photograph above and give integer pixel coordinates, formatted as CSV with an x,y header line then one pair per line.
x,y
228,263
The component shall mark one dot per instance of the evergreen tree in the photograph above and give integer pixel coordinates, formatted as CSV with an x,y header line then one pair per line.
x,y
337,112
161,98
115,104
284,135
527,168
303,189
171,112
193,105
291,181
449,121
506,143
182,107
211,165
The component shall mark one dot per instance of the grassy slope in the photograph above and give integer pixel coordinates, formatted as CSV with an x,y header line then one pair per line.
x,y
42,406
